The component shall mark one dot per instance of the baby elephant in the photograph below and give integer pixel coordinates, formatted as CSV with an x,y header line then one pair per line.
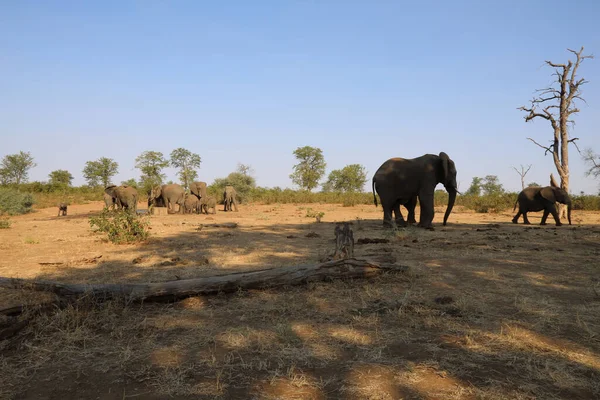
x,y
62,209
206,203
542,198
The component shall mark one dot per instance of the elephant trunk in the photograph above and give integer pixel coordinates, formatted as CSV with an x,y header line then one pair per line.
x,y
569,212
451,199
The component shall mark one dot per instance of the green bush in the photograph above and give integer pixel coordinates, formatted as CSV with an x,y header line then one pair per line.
x,y
5,223
586,202
121,226
13,202
492,203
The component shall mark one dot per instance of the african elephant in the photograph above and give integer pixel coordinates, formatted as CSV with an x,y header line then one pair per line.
x,y
109,201
400,181
62,209
125,196
198,189
170,195
229,198
191,204
207,203
542,198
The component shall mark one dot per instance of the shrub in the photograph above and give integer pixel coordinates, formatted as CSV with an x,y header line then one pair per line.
x,y
492,203
13,202
121,226
5,223
585,202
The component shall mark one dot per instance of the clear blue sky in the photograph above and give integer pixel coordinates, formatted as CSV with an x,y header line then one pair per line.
x,y
249,81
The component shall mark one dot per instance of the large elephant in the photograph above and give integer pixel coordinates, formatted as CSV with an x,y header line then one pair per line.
x,y
229,198
542,198
124,196
198,189
400,181
169,195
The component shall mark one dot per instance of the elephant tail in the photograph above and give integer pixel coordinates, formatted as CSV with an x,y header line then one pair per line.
x,y
515,206
374,195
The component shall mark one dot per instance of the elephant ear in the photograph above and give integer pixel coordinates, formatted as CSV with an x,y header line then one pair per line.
x,y
548,194
110,190
445,160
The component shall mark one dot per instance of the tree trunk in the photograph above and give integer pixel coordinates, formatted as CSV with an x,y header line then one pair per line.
x,y
564,184
172,290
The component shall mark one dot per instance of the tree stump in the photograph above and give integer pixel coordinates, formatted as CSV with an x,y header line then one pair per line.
x,y
159,210
344,241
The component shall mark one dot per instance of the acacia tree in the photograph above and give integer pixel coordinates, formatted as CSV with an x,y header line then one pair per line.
x,y
187,162
522,172
100,171
60,177
351,178
310,169
14,168
151,164
557,105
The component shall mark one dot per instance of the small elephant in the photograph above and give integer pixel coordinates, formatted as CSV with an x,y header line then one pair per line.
x,y
542,198
206,203
62,209
170,195
126,197
110,201
400,181
192,204
229,198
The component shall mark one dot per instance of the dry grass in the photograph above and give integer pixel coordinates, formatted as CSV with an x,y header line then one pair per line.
x,y
488,310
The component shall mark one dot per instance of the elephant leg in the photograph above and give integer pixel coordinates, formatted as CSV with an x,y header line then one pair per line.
x,y
552,210
515,220
399,219
525,219
544,216
388,222
427,210
410,206
235,209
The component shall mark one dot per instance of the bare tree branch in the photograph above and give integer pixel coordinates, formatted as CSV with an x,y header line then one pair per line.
x,y
548,149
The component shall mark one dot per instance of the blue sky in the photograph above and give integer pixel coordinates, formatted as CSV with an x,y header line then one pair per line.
x,y
249,81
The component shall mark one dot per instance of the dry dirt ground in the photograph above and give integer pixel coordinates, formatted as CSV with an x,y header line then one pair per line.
x,y
489,310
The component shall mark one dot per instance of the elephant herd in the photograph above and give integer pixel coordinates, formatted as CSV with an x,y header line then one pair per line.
x,y
171,196
401,181
398,182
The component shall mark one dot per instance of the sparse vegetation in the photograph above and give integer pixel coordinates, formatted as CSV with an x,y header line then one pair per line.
x,y
121,226
13,202
5,223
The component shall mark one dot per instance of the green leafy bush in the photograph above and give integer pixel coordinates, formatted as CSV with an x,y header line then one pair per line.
x,y
585,202
492,203
13,202
121,226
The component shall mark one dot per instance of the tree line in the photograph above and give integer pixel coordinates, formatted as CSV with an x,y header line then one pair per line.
x,y
307,173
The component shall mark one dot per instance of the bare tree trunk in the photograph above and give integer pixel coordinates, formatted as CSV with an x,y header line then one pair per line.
x,y
559,115
172,290
562,209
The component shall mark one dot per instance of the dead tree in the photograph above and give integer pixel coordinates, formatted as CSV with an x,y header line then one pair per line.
x,y
556,104
344,241
522,174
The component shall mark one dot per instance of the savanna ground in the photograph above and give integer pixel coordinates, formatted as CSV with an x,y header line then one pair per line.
x,y
488,310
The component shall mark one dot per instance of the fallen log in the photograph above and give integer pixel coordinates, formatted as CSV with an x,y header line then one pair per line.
x,y
173,290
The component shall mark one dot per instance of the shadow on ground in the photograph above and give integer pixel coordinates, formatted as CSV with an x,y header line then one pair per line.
x,y
487,310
